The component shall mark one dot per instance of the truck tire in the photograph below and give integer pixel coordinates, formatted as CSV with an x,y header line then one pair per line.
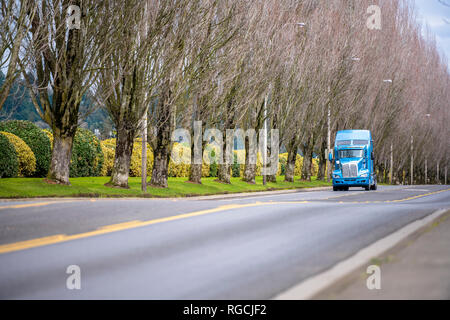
x,y
368,188
374,187
336,189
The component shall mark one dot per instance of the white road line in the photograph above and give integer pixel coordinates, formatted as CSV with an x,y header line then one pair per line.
x,y
315,284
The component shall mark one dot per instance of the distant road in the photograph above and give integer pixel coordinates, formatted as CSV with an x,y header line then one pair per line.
x,y
234,248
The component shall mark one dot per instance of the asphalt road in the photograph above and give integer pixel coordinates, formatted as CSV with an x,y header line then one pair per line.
x,y
232,248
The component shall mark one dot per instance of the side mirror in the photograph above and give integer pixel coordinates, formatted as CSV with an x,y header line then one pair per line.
x,y
330,157
372,156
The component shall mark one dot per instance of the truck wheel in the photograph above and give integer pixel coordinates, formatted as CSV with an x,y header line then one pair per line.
x,y
368,188
374,187
336,189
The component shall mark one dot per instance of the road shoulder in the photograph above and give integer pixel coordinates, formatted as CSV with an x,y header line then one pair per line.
x,y
416,268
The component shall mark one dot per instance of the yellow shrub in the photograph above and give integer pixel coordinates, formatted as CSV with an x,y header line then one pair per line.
x,y
110,143
282,159
108,159
25,157
315,167
298,165
205,170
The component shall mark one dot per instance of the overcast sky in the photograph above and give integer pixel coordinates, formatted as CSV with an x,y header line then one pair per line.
x,y
434,14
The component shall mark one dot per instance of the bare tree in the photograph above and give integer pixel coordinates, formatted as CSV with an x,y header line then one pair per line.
x,y
64,63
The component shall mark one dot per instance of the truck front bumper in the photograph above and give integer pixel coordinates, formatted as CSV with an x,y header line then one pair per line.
x,y
351,182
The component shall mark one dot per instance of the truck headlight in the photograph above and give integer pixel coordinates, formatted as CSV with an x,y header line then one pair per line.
x,y
336,176
364,175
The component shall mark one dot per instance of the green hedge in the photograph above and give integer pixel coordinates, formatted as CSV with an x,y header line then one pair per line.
x,y
87,156
35,138
9,165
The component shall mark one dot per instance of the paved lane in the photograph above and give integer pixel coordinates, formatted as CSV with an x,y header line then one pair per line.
x,y
240,248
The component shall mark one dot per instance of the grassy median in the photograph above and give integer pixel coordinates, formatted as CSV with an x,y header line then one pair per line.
x,y
94,187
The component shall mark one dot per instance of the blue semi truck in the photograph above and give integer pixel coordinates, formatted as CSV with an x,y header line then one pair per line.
x,y
353,160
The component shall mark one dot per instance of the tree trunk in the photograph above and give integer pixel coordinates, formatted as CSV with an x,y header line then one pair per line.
x,y
250,164
386,174
164,120
223,172
322,162
161,154
61,155
290,165
307,159
160,171
195,173
272,177
122,160
307,162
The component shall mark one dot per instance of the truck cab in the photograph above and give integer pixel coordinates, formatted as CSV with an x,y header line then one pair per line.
x,y
353,160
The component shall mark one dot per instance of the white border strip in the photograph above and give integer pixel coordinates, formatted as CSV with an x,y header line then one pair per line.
x,y
313,285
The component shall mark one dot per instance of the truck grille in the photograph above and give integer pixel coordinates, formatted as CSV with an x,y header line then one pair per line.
x,y
349,170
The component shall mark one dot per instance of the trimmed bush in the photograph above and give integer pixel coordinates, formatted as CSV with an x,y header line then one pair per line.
x,y
9,165
25,157
35,138
87,155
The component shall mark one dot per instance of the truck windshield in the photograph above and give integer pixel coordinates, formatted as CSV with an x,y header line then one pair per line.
x,y
350,153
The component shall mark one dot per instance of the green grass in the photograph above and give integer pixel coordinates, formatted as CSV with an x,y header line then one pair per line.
x,y
94,187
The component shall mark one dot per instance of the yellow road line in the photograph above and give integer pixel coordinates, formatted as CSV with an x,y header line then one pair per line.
x,y
29,205
22,245
31,243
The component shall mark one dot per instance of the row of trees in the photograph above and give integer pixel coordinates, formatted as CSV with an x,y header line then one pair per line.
x,y
305,66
